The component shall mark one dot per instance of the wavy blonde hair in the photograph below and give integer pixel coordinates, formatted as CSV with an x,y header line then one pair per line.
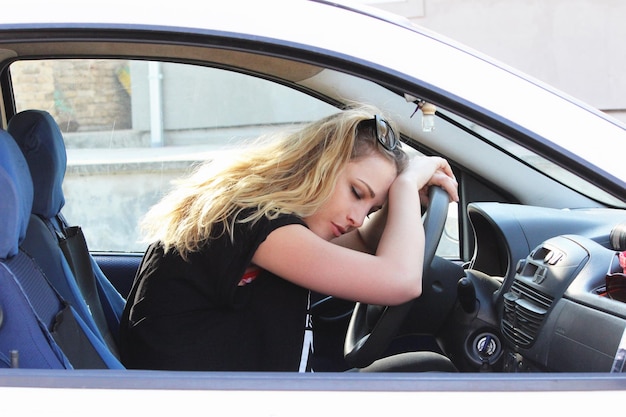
x,y
294,173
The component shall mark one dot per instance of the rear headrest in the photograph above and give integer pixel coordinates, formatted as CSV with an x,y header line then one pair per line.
x,y
16,191
41,141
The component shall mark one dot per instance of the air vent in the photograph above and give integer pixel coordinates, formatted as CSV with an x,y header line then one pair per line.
x,y
524,311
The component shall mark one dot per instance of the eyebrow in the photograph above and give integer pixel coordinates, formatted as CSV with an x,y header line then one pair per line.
x,y
372,193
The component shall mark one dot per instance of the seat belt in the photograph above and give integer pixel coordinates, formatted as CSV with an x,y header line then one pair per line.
x,y
74,247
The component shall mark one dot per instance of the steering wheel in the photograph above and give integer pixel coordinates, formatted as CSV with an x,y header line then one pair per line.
x,y
372,327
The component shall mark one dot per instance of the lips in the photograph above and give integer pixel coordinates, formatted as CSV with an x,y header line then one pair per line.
x,y
338,230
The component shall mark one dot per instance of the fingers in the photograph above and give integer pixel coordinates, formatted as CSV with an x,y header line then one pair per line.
x,y
441,174
452,189
446,182
444,167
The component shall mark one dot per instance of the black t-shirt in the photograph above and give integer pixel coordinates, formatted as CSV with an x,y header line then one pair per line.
x,y
196,315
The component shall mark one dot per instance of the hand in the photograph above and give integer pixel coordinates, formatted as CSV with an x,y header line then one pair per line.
x,y
433,171
447,183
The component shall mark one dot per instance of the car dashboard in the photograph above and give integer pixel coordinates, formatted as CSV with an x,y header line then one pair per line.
x,y
551,311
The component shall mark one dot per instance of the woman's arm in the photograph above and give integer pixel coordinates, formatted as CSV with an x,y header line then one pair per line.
x,y
366,238
390,276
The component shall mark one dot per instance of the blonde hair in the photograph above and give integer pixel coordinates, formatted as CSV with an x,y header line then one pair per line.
x,y
294,173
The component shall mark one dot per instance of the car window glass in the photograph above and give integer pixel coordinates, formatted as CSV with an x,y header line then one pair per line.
x,y
539,163
131,127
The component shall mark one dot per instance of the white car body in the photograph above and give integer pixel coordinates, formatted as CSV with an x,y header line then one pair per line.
x,y
449,71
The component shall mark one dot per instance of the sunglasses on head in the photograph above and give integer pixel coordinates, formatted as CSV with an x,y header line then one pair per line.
x,y
385,134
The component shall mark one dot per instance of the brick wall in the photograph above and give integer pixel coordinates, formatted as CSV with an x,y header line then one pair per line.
x,y
98,99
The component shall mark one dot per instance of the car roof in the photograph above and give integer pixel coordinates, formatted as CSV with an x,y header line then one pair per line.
x,y
410,58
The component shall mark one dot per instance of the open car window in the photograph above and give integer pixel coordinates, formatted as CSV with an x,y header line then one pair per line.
x,y
131,127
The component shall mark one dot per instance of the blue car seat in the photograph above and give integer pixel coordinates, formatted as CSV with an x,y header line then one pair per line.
x,y
72,272
38,329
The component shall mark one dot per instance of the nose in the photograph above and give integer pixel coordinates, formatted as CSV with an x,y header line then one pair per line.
x,y
356,217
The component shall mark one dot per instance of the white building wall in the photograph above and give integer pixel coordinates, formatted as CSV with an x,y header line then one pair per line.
x,y
577,46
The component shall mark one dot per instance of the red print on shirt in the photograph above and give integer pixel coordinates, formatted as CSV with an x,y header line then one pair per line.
x,y
250,275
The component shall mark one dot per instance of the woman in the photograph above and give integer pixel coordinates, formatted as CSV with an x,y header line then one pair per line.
x,y
226,283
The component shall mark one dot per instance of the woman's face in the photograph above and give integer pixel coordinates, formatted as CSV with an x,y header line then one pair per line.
x,y
361,189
